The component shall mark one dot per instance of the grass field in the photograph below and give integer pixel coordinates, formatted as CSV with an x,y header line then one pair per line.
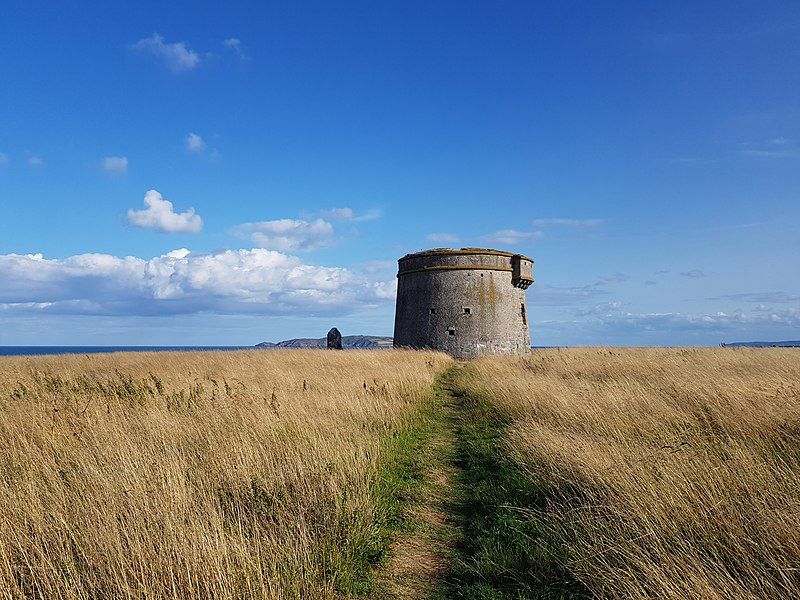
x,y
211,474
630,473
618,473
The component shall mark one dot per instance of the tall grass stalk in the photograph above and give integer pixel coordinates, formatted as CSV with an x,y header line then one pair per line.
x,y
196,475
672,473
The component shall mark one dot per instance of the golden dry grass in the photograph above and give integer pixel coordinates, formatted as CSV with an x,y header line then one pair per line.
x,y
669,473
212,474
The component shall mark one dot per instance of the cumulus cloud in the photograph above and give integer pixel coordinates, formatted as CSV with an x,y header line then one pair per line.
x,y
177,56
694,274
287,234
116,165
35,161
160,215
510,237
195,143
255,281
442,238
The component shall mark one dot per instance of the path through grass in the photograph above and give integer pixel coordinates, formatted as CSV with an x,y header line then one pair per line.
x,y
503,550
471,531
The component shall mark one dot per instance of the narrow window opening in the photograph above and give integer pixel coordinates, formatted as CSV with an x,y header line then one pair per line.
x,y
451,331
432,311
524,316
467,310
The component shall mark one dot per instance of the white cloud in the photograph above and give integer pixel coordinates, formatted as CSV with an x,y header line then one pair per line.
x,y
195,143
574,223
442,238
372,267
779,147
771,153
287,234
511,237
761,297
615,278
694,274
35,161
177,56
160,215
342,214
348,214
235,44
253,281
611,316
549,295
116,165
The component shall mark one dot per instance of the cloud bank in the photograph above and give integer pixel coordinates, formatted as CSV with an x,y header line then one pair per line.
x,y
255,281
160,215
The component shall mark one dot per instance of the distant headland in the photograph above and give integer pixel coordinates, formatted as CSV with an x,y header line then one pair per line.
x,y
348,342
785,344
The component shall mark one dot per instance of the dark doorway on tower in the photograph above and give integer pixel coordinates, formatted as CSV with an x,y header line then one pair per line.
x,y
522,312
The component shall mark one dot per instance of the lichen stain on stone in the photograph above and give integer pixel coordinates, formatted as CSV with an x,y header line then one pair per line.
x,y
492,304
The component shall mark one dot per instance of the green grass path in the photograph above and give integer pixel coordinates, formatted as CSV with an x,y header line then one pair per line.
x,y
465,523
503,550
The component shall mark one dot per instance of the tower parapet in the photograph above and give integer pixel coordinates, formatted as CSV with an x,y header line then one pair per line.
x,y
467,302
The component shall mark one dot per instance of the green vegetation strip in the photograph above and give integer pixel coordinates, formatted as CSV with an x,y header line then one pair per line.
x,y
506,550
399,486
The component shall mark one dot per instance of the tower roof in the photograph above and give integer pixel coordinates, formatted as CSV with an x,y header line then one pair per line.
x,y
462,252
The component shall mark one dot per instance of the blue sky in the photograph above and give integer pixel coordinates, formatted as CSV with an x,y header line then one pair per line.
x,y
646,157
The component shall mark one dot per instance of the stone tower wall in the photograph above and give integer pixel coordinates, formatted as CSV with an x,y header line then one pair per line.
x,y
468,302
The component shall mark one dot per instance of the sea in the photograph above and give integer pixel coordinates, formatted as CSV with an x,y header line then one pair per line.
x,y
43,350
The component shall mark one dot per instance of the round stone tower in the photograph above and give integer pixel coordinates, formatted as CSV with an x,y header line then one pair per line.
x,y
468,302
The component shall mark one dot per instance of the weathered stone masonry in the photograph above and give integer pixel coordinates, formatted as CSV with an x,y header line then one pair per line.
x,y
468,302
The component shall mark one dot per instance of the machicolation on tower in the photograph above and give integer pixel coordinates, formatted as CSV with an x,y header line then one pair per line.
x,y
468,302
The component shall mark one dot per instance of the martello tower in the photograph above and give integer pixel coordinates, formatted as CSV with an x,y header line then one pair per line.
x,y
468,302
